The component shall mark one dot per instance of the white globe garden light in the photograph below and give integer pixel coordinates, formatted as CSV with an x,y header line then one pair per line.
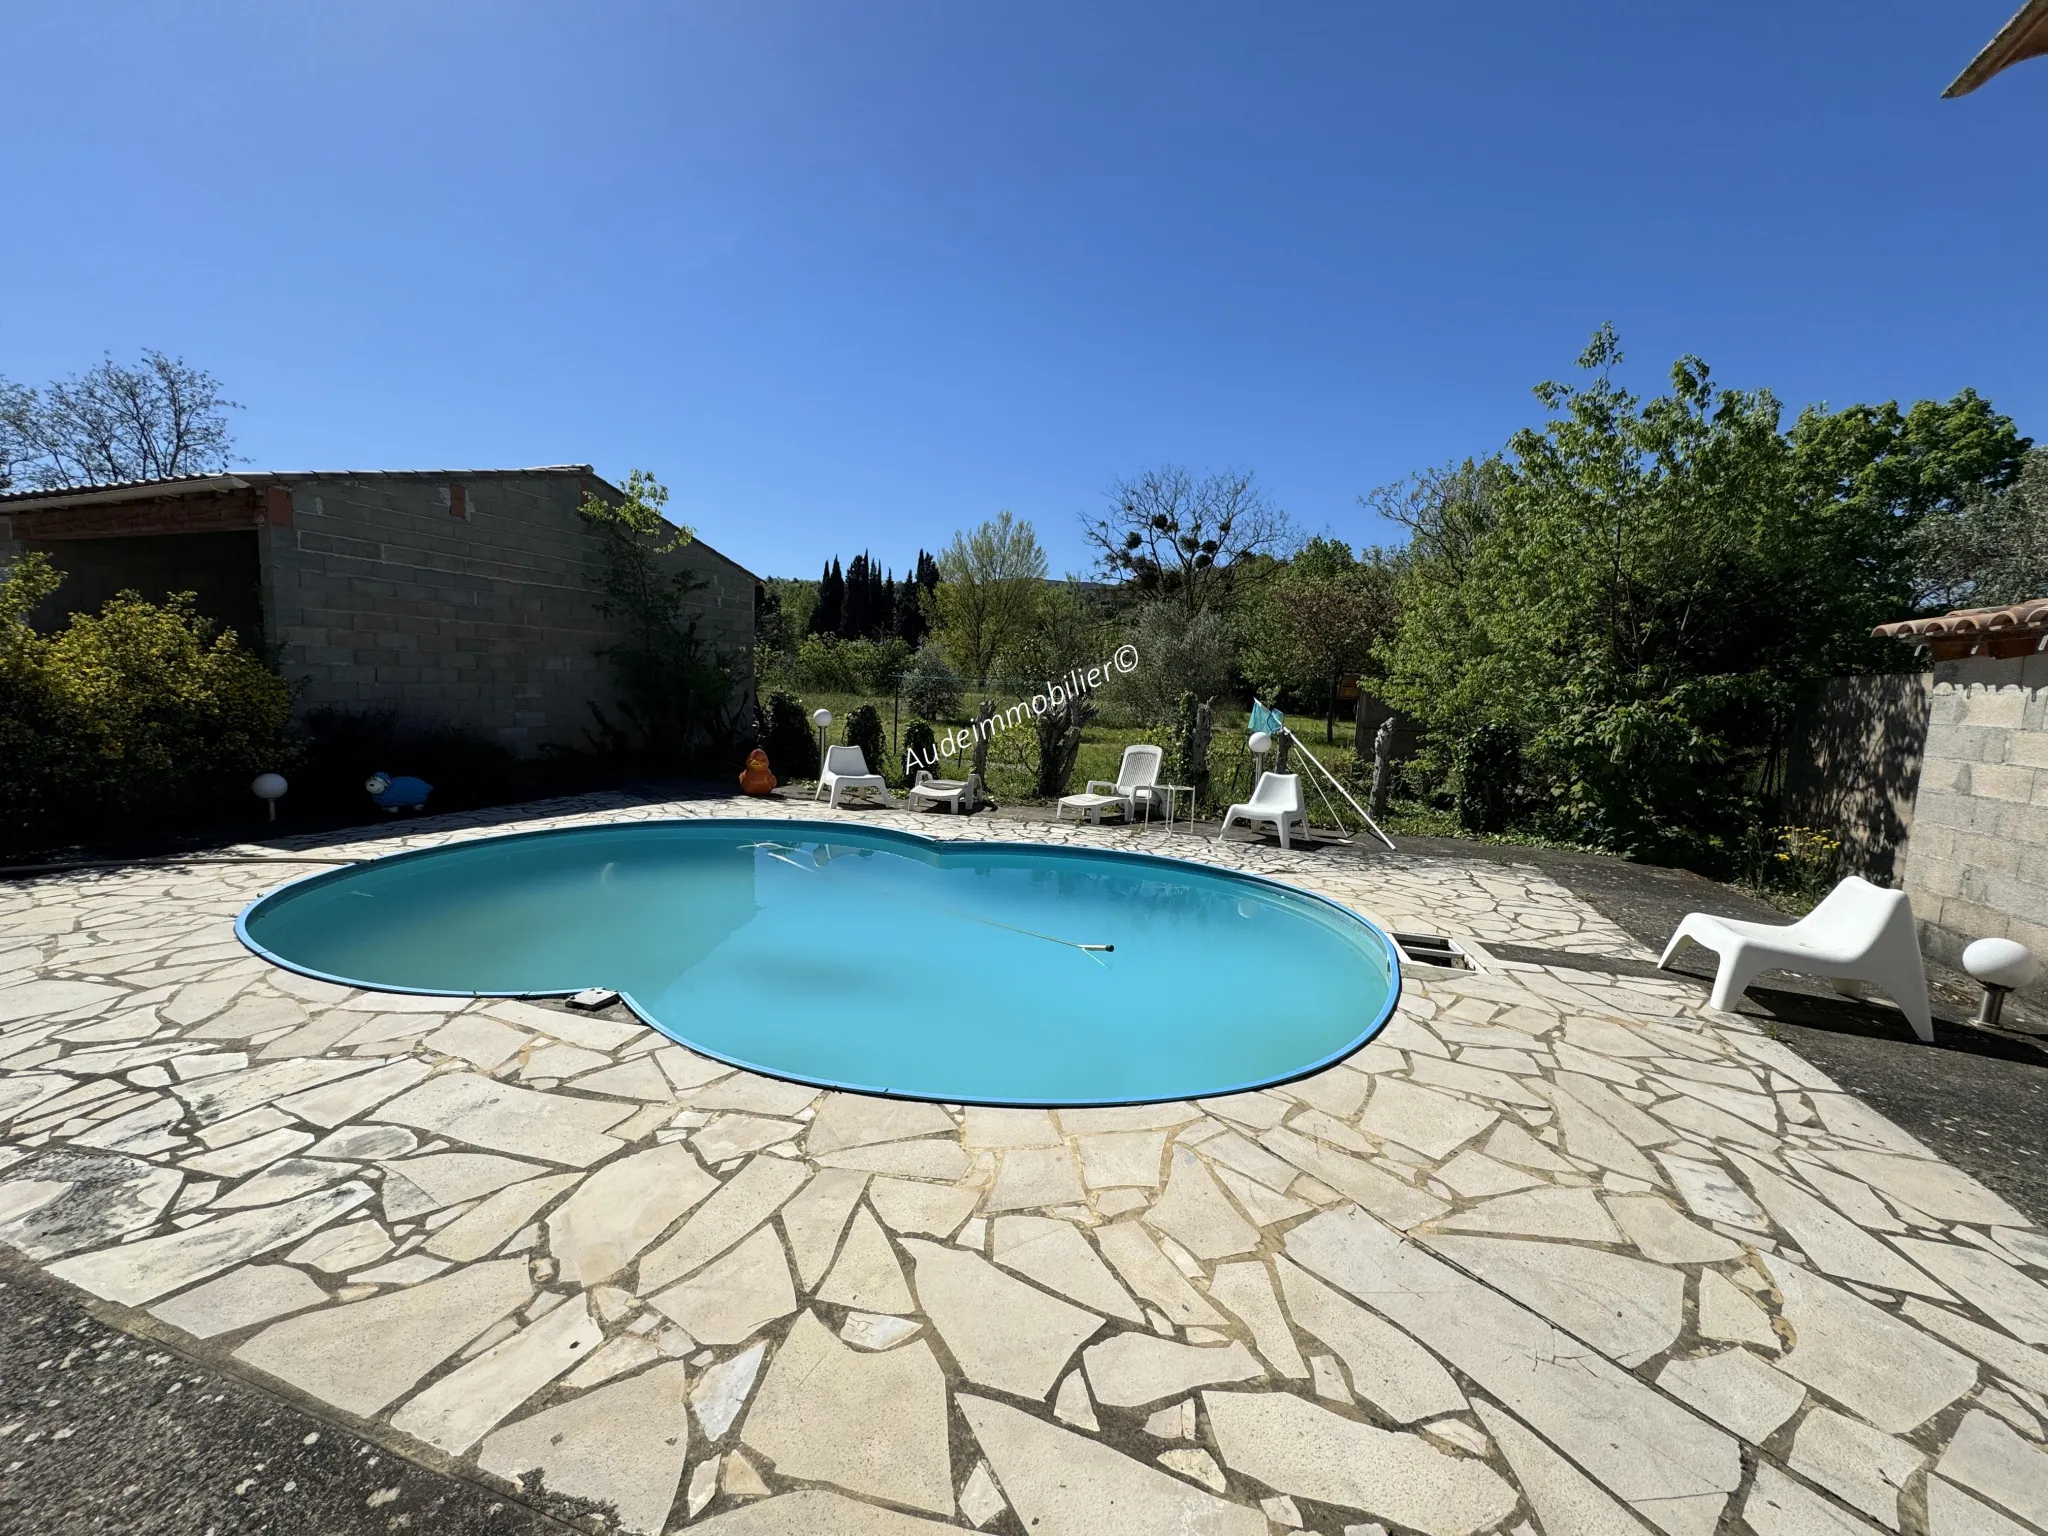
x,y
1261,743
2002,965
269,788
822,719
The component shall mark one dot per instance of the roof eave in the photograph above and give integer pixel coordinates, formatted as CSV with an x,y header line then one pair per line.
x,y
2024,37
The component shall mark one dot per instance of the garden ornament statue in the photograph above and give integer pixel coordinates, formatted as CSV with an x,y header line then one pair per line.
x,y
755,778
399,794
2002,966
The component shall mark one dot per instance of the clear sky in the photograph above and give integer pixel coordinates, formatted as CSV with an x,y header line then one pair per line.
x,y
852,275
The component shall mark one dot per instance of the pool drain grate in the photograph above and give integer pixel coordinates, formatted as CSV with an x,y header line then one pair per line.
x,y
1433,949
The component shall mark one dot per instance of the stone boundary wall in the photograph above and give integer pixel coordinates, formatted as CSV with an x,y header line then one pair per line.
x,y
1857,767
1978,862
471,602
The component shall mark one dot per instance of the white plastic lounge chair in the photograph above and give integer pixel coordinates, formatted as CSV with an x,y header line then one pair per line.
x,y
1135,776
1860,932
957,794
1275,798
845,769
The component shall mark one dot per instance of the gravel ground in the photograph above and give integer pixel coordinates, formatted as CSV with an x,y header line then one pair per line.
x,y
102,1431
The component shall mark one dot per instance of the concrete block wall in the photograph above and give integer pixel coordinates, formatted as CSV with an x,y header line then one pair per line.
x,y
472,601
1977,864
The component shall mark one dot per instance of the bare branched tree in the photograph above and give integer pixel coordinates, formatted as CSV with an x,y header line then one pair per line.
x,y
159,418
1444,510
1191,541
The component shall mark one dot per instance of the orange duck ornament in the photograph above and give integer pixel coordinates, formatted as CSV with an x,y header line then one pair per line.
x,y
755,779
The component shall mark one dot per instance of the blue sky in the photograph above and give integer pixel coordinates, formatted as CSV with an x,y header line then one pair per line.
x,y
854,276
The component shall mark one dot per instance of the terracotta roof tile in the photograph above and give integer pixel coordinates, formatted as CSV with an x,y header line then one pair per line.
x,y
2017,629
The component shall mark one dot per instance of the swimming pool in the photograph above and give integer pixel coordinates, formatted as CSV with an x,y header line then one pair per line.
x,y
864,958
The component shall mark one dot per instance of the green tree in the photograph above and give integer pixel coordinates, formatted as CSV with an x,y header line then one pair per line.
x,y
675,697
987,599
1990,550
1317,620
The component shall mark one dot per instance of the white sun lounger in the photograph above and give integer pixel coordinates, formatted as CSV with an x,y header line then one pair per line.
x,y
1135,777
846,770
956,794
1860,932
1275,798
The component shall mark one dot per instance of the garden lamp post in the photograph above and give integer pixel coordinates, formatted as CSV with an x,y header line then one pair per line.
x,y
269,788
822,719
1260,744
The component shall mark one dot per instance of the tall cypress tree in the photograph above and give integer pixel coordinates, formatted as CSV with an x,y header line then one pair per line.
x,y
884,621
826,617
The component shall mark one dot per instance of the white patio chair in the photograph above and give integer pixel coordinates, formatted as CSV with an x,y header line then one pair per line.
x,y
957,794
845,769
1275,798
1135,776
1860,932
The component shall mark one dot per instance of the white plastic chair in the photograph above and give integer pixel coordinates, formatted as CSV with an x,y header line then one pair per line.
x,y
846,769
1275,798
1860,932
1135,776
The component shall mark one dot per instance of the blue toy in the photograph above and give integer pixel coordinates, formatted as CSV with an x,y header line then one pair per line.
x,y
400,794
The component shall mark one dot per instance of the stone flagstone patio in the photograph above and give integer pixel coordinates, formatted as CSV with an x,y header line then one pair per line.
x,y
1561,1251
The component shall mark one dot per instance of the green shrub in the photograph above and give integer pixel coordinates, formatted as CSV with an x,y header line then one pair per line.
x,y
918,738
864,730
139,719
787,738
930,687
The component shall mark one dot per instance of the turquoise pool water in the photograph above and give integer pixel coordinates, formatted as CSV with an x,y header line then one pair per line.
x,y
862,958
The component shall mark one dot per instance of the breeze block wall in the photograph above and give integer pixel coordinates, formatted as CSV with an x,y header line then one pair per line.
x,y
470,601
1977,863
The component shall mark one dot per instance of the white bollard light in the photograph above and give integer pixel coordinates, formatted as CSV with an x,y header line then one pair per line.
x,y
2001,966
269,788
822,719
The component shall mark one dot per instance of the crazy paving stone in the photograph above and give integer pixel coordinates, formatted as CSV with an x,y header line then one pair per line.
x,y
1054,1253
741,1204
440,1179
1857,1464
621,1208
1936,1188
1864,1358
1778,1506
872,1424
1246,1289
456,1411
854,1120
486,1113
732,1297
1736,1390
1034,1177
1434,1124
1388,1369
721,1392
1122,1159
818,1512
1665,1236
1148,1272
622,1445
488,1225
867,1276
1564,1498
1130,1370
913,1206
2025,1365
1001,1332
1562,1213
817,1214
363,1356
1064,1484
1627,1309
240,1299
1401,1205
1305,1450
2017,1304
1951,1512
1195,1212
1835,1244
1672,1468
60,1200
1986,1457
141,1271
930,1158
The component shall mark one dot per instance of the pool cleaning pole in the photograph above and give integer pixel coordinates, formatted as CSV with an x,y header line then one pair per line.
x,y
1336,784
